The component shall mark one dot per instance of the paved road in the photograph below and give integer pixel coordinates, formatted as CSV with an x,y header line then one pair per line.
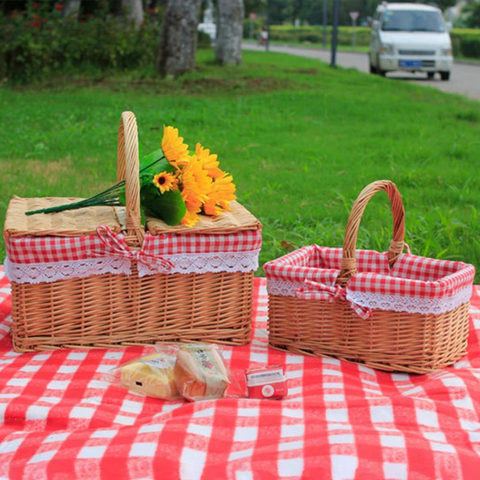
x,y
464,80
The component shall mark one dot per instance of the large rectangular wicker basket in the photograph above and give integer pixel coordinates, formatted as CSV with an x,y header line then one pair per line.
x,y
390,311
94,278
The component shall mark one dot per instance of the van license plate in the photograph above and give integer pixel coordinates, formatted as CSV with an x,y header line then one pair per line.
x,y
410,63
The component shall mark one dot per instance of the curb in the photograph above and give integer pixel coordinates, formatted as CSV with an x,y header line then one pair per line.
x,y
460,62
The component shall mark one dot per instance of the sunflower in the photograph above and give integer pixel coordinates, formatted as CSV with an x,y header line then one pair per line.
x,y
165,182
195,187
209,161
173,147
220,195
190,219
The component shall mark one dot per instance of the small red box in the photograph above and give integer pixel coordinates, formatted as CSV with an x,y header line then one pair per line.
x,y
266,382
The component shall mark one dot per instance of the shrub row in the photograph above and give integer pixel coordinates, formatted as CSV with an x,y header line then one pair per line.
x,y
464,42
315,35
38,43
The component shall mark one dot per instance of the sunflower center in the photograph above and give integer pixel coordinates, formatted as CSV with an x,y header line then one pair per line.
x,y
161,180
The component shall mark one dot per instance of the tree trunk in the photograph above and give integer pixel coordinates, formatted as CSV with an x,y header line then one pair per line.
x,y
228,50
71,9
133,11
178,38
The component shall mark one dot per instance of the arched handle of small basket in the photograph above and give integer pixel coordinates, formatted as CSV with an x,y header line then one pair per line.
x,y
128,170
349,264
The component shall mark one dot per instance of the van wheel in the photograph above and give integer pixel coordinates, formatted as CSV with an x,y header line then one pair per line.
x,y
445,76
430,75
373,69
381,72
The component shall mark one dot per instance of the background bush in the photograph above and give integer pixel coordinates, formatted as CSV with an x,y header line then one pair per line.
x,y
314,34
38,43
465,42
253,27
204,40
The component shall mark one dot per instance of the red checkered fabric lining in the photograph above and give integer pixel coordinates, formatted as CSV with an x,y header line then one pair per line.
x,y
30,249
446,286
306,263
411,275
340,420
246,241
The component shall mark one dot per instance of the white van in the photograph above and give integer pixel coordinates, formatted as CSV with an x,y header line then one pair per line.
x,y
410,37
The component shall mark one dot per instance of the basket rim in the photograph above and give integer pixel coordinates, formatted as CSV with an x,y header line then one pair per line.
x,y
297,267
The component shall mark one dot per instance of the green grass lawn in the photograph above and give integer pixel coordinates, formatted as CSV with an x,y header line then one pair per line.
x,y
301,140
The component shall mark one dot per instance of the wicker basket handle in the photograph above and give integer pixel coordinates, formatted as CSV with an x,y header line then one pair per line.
x,y
349,264
128,170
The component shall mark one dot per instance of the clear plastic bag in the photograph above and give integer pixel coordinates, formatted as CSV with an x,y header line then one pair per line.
x,y
200,372
151,374
192,371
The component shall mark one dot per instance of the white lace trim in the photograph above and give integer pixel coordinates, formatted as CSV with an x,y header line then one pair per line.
x,y
283,287
52,272
207,262
184,263
422,305
397,303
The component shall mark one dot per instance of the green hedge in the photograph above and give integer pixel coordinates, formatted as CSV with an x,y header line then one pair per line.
x,y
465,42
38,43
314,35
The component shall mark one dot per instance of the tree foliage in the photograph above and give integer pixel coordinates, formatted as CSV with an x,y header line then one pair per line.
x,y
473,18
311,11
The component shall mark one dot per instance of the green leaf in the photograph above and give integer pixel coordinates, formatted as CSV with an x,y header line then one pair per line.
x,y
168,206
146,177
121,196
152,158
150,170
149,192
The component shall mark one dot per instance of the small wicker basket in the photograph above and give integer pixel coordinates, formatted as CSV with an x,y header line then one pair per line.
x,y
122,307
390,311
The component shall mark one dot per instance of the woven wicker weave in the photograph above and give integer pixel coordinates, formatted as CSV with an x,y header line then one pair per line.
x,y
113,310
387,340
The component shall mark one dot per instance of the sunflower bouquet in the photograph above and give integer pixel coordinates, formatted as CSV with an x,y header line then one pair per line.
x,y
176,185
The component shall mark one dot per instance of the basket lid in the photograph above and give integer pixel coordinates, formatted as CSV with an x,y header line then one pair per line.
x,y
84,221
238,219
70,223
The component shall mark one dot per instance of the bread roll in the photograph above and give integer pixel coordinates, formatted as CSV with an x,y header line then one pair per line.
x,y
151,375
200,372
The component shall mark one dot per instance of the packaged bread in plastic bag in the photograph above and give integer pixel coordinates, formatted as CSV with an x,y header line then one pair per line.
x,y
200,372
151,375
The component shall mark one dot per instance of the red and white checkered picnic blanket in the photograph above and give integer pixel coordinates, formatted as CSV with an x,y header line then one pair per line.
x,y
340,420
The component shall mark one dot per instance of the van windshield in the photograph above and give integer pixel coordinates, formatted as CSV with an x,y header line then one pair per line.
x,y
412,21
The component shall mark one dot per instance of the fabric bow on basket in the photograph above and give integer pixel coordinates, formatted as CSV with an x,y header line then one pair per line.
x,y
320,291
117,246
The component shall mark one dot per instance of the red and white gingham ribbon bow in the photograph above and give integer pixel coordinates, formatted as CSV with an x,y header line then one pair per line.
x,y
117,246
320,291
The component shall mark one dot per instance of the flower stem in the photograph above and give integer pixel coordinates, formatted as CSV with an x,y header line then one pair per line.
x,y
107,198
